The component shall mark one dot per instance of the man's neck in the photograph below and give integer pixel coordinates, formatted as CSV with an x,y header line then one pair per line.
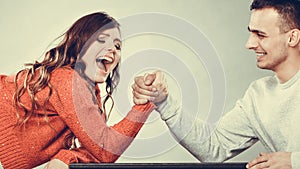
x,y
285,76
289,68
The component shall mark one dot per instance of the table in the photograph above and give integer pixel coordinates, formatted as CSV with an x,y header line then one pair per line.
x,y
159,165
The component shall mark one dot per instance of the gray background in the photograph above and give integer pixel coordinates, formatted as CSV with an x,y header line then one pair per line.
x,y
28,27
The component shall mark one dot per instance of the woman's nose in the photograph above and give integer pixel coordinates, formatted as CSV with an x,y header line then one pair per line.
x,y
111,47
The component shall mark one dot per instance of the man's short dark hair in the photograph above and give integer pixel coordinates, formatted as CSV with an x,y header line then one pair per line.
x,y
288,10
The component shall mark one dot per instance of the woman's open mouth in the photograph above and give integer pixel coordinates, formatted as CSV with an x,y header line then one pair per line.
x,y
102,61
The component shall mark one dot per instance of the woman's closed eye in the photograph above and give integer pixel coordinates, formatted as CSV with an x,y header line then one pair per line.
x,y
101,40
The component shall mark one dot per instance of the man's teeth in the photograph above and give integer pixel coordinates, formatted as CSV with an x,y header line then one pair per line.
x,y
260,54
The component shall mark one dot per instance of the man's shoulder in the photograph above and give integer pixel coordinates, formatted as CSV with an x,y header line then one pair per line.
x,y
267,82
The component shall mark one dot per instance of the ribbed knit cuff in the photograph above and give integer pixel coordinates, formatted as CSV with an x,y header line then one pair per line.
x,y
168,108
66,156
140,113
11,155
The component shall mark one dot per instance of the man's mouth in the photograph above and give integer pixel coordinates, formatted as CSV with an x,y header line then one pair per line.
x,y
261,54
102,61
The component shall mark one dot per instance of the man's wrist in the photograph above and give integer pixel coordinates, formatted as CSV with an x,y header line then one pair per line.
x,y
295,160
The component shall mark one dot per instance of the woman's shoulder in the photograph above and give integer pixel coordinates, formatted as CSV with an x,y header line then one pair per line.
x,y
63,74
63,71
66,77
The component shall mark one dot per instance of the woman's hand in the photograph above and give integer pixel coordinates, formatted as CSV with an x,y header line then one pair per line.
x,y
56,164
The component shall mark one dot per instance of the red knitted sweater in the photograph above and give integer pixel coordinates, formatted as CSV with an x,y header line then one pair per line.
x,y
71,108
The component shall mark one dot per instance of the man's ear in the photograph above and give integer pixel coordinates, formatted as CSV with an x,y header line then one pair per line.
x,y
294,37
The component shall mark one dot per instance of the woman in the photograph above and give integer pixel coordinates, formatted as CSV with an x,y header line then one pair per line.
x,y
47,105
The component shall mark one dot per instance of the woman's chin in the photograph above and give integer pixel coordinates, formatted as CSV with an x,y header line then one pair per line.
x,y
100,79
100,76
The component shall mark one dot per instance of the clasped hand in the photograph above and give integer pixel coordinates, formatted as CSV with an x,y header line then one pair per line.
x,y
150,87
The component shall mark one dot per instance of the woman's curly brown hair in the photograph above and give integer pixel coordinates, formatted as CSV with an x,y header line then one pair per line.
x,y
66,54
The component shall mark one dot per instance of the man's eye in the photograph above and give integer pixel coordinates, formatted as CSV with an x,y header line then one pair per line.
x,y
261,36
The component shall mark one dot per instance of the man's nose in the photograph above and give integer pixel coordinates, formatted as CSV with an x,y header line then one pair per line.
x,y
251,42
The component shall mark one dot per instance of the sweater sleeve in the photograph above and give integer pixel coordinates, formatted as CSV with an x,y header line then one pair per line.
x,y
74,104
295,159
208,142
75,155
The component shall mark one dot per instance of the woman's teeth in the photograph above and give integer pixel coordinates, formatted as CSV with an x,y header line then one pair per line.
x,y
104,59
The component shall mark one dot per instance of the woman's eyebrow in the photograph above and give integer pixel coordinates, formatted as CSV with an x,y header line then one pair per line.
x,y
117,40
108,35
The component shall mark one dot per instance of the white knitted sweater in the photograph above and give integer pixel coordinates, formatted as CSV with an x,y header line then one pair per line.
x,y
269,112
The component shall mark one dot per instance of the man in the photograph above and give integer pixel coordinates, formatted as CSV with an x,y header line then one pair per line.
x,y
268,112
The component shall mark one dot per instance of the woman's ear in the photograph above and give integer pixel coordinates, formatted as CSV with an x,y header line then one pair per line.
x,y
294,37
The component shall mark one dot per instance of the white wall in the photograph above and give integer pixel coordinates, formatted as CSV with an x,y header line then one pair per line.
x,y
28,27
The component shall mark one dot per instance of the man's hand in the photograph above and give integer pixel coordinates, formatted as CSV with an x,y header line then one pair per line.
x,y
277,160
56,164
150,87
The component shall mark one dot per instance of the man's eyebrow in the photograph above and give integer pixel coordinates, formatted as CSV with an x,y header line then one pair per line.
x,y
255,31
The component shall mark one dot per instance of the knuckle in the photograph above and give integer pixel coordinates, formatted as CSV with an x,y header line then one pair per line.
x,y
134,94
156,72
137,78
135,88
252,162
135,100
138,90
